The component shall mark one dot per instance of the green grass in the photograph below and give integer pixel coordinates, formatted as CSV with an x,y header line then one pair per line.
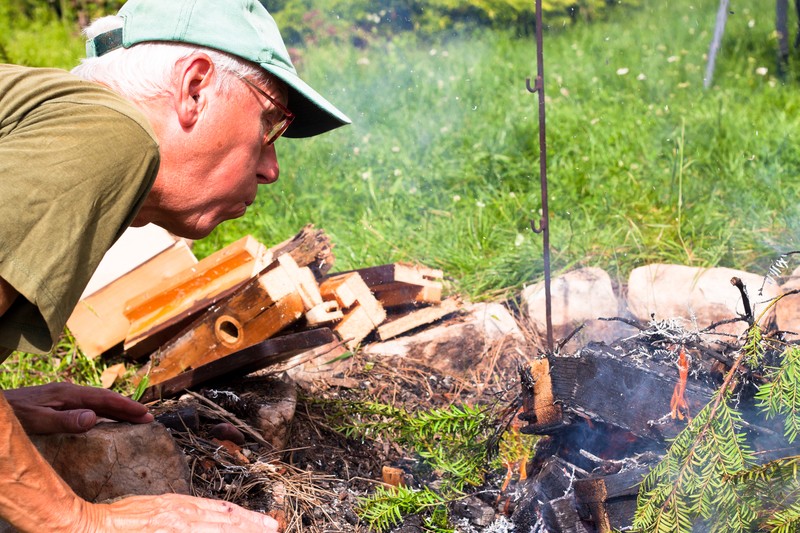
x,y
441,162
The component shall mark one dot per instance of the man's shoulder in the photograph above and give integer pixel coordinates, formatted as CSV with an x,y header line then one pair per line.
x,y
26,90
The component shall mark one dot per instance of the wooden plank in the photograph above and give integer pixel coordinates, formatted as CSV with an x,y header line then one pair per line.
x,y
269,287
256,357
220,332
364,312
399,295
98,322
193,290
415,319
303,279
381,276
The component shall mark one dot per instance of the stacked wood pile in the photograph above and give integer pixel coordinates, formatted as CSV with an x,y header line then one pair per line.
x,y
247,307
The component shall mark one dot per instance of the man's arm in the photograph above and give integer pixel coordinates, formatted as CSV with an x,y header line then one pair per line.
x,y
7,295
33,498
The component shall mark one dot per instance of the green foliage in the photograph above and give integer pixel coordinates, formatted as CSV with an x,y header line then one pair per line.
x,y
690,482
780,395
359,21
453,442
65,363
709,476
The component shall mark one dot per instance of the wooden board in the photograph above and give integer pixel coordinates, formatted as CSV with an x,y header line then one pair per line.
x,y
98,322
192,291
408,321
256,357
609,502
385,276
231,325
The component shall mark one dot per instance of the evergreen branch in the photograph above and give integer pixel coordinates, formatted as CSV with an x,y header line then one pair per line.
x,y
781,393
671,497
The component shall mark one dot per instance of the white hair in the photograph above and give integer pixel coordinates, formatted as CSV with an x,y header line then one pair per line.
x,y
145,71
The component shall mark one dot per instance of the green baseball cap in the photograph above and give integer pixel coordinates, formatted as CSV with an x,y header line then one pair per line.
x,y
243,28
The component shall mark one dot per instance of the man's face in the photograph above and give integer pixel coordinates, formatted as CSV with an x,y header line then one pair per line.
x,y
213,171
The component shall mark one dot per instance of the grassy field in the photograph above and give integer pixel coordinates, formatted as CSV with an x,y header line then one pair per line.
x,y
441,162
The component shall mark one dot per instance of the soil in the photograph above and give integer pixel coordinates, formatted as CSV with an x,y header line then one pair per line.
x,y
315,483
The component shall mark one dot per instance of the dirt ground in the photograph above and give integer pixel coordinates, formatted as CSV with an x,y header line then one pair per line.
x,y
314,484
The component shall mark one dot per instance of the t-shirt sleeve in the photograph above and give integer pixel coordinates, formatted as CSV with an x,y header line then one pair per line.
x,y
72,177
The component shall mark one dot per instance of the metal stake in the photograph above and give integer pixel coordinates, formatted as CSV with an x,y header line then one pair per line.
x,y
544,226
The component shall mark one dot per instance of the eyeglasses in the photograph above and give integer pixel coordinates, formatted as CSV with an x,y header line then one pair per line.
x,y
279,127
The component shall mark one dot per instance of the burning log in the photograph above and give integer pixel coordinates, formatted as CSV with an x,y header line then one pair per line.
x,y
609,387
609,502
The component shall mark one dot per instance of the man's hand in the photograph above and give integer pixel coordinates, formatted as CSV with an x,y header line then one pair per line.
x,y
68,408
175,513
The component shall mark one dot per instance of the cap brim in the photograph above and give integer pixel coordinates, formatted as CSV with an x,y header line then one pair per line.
x,y
313,113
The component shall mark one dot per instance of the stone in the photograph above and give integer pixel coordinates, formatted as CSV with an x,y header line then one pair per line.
x,y
229,432
787,310
457,346
116,459
578,297
700,296
275,412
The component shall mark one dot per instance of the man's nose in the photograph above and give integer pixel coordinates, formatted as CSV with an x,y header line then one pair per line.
x,y
268,168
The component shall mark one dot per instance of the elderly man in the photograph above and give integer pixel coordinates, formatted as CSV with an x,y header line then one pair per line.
x,y
171,119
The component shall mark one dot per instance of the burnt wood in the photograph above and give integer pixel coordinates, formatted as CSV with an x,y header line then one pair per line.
x,y
609,502
309,248
616,389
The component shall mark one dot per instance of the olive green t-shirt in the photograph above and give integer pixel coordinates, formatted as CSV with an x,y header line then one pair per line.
x,y
76,163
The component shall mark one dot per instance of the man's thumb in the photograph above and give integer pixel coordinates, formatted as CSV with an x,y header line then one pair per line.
x,y
77,421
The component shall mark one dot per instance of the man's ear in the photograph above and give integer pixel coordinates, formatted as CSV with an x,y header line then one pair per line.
x,y
194,77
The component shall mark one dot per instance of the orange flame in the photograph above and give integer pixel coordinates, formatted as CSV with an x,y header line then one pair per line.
x,y
678,403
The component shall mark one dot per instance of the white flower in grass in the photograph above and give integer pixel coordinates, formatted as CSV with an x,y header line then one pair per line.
x,y
395,149
456,198
622,71
433,52
366,175
398,172
751,23
762,71
362,61
480,204
641,77
673,59
519,240
356,150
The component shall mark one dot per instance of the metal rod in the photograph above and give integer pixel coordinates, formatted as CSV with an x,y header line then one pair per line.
x,y
544,226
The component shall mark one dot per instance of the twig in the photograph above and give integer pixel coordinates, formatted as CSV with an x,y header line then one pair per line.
x,y
232,419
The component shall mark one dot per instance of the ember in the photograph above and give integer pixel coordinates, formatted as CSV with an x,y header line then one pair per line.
x,y
678,404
